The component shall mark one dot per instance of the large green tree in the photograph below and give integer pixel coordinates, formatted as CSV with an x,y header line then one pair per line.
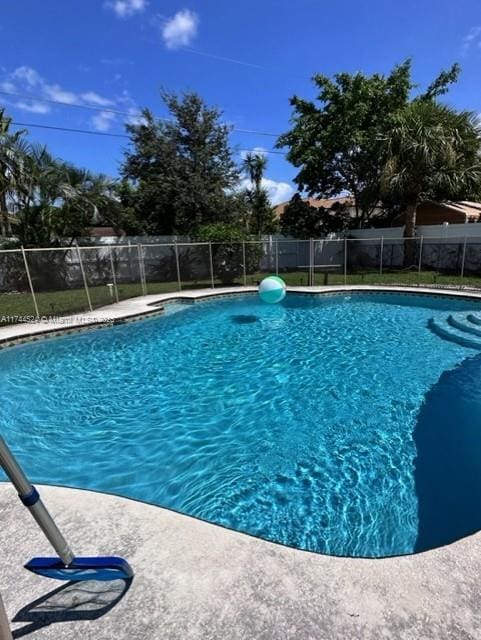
x,y
337,144
181,169
433,152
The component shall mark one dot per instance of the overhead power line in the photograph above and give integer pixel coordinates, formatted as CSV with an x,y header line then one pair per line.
x,y
75,105
70,130
111,135
26,96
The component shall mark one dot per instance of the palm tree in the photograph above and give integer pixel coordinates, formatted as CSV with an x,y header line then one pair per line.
x,y
433,152
13,148
53,199
59,200
254,166
36,201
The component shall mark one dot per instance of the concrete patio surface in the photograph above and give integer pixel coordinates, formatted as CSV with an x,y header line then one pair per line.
x,y
194,580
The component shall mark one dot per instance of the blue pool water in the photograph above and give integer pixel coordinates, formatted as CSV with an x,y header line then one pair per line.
x,y
336,424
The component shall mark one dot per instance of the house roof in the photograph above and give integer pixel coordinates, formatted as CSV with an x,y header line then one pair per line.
x,y
98,232
470,209
466,210
317,203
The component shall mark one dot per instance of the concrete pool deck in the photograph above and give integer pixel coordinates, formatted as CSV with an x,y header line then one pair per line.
x,y
197,581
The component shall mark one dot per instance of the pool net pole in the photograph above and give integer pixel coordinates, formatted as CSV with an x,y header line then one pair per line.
x,y
29,278
84,277
31,499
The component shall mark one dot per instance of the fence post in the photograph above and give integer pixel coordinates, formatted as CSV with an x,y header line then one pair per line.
x,y
277,257
5,633
420,254
380,260
310,281
345,261
176,249
244,262
84,277
464,256
141,270
30,284
114,277
211,266
130,261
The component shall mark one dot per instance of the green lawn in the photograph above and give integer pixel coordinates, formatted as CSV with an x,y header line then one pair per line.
x,y
75,300
403,277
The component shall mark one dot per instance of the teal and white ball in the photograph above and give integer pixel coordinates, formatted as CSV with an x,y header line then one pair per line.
x,y
272,289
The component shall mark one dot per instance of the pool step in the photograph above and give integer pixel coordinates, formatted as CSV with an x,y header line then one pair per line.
x,y
474,319
462,322
445,329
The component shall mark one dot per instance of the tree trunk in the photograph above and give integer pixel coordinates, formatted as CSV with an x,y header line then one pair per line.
x,y
409,231
5,226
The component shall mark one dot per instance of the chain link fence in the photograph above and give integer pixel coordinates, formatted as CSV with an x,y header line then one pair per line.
x,y
53,282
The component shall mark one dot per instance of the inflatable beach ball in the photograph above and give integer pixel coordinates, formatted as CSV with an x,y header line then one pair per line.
x,y
272,289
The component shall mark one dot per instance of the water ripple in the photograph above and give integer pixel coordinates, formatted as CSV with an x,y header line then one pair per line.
x,y
293,422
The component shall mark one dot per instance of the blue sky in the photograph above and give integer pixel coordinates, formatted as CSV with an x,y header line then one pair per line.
x,y
116,54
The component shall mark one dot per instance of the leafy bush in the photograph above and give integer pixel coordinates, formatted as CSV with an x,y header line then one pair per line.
x,y
227,250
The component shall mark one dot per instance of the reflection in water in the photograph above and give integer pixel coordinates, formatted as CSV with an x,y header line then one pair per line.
x,y
448,463
244,319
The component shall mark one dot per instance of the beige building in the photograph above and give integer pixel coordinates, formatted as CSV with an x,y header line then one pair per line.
x,y
430,212
346,202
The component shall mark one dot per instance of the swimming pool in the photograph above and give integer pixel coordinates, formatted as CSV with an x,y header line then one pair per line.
x,y
339,424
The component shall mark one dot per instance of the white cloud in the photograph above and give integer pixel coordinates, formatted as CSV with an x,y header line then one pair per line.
x,y
278,191
32,106
127,103
28,76
258,151
103,120
26,80
55,92
126,98
135,117
472,39
127,8
180,30
7,86
93,98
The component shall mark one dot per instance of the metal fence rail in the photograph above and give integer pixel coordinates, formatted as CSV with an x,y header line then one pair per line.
x,y
60,281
